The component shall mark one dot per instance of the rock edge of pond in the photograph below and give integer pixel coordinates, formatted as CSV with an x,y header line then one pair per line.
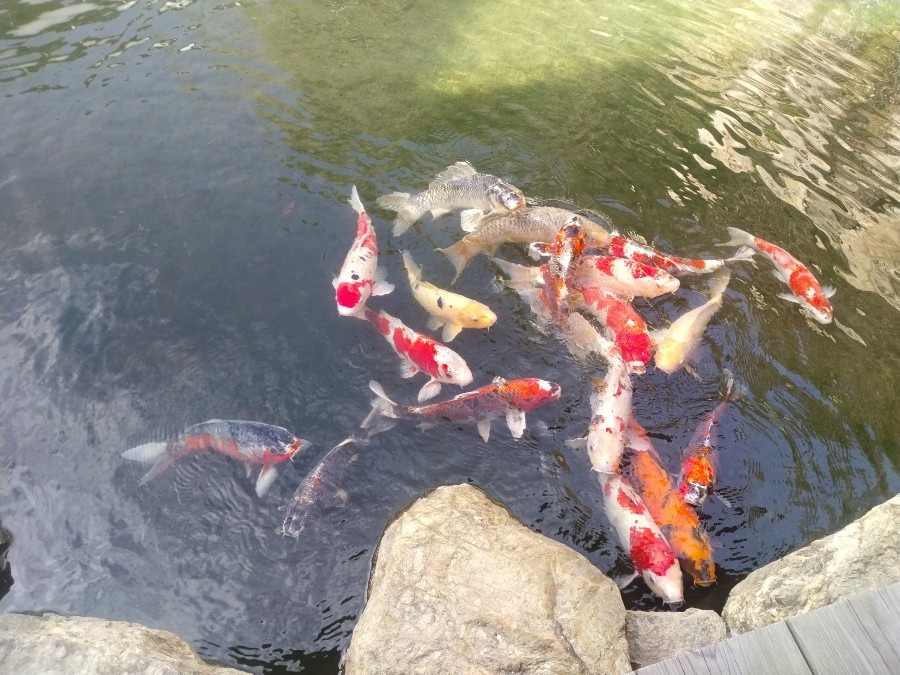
x,y
460,585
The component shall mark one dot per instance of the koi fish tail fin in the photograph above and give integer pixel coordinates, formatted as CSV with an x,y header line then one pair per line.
x,y
733,391
718,282
738,238
383,415
460,254
355,201
743,253
156,454
407,211
412,270
148,453
266,477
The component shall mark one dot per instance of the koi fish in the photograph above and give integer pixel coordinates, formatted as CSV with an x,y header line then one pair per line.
x,y
511,398
458,186
677,521
564,252
624,325
807,292
675,344
248,442
576,332
623,247
450,310
697,478
522,226
650,553
610,412
628,278
320,486
419,352
360,275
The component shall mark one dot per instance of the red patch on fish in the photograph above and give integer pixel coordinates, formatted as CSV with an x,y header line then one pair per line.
x,y
421,352
625,500
382,323
649,551
349,295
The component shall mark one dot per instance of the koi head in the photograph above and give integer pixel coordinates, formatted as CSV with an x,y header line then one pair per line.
x,y
530,393
505,197
698,479
453,369
295,448
349,295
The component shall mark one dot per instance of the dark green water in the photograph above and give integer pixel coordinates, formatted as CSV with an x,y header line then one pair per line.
x,y
173,208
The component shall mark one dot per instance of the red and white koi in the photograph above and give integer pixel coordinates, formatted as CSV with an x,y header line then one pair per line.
x,y
697,478
807,292
623,324
610,412
650,553
623,247
628,278
360,276
249,442
511,399
419,352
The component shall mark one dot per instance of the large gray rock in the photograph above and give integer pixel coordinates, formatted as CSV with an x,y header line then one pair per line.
x,y
61,645
656,636
863,556
460,586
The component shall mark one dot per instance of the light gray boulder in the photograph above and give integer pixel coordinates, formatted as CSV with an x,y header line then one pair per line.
x,y
462,587
656,636
61,645
861,557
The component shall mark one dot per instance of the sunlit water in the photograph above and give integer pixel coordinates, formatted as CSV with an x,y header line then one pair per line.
x,y
173,191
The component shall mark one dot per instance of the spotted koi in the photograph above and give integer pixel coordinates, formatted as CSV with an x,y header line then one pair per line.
x,y
360,276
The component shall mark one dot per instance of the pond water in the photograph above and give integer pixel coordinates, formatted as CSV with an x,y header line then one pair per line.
x,y
173,207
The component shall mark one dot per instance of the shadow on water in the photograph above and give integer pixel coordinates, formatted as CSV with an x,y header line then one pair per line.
x,y
173,264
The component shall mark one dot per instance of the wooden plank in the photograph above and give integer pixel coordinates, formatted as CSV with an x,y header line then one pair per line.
x,y
768,650
846,638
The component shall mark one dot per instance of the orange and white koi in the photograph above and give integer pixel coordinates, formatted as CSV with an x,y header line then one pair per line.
x,y
650,553
623,247
360,276
628,278
610,412
697,478
675,344
564,253
511,399
677,521
249,442
450,310
807,292
419,352
623,324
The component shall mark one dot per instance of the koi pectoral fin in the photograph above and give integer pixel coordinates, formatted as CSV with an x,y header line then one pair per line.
x,y
515,420
267,476
484,429
790,297
577,443
430,390
451,330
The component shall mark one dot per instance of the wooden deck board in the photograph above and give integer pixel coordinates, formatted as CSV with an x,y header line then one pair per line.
x,y
846,637
857,635
768,650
